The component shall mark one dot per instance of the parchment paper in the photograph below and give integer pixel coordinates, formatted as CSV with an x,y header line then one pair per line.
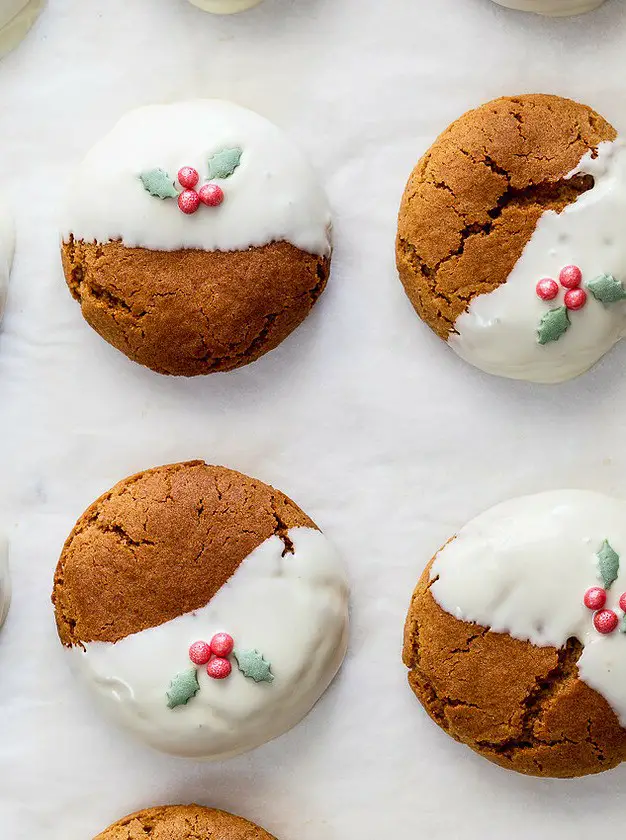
x,y
363,416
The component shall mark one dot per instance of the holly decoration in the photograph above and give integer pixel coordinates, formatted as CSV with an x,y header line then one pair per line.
x,y
215,656
606,620
605,289
253,665
182,688
220,166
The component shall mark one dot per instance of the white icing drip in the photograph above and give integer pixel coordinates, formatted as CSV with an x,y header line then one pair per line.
x,y
523,568
16,18
498,332
5,580
7,244
554,8
273,195
225,7
293,609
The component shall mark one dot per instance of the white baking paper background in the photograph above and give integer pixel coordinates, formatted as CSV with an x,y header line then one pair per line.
x,y
363,416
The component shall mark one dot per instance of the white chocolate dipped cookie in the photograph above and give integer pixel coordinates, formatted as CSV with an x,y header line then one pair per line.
x,y
524,272
16,18
7,248
221,615
196,237
552,8
225,7
516,635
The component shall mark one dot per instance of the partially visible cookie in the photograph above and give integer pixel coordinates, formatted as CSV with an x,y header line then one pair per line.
x,y
204,610
515,639
225,7
16,18
5,580
183,822
553,8
196,237
510,237
7,247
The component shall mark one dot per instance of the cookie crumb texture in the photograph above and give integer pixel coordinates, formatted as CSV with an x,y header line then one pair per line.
x,y
160,544
183,822
474,199
192,312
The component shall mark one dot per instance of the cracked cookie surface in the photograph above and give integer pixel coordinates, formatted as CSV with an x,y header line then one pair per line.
x,y
183,822
501,651
191,312
162,543
474,199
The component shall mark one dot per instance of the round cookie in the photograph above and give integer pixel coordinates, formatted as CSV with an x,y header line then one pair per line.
x,y
5,580
552,8
196,237
225,7
180,555
509,196
503,652
16,18
183,822
7,247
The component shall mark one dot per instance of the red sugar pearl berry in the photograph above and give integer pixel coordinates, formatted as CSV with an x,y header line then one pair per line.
x,y
212,195
547,289
200,653
575,298
570,277
595,598
188,177
189,201
222,644
219,668
605,621
622,602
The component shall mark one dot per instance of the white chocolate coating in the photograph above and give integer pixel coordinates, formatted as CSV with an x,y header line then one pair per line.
x,y
498,332
225,7
5,580
523,568
16,18
293,609
553,8
7,246
273,195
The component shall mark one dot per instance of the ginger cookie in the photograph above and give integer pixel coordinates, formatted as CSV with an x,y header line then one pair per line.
x,y
183,822
510,242
7,247
196,237
205,611
515,639
552,8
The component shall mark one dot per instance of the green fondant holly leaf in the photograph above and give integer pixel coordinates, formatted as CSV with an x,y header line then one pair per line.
x,y
223,164
553,324
182,688
252,664
606,289
608,564
158,183
622,626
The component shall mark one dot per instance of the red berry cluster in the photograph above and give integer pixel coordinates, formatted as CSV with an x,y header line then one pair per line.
x,y
189,199
214,655
570,278
605,621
